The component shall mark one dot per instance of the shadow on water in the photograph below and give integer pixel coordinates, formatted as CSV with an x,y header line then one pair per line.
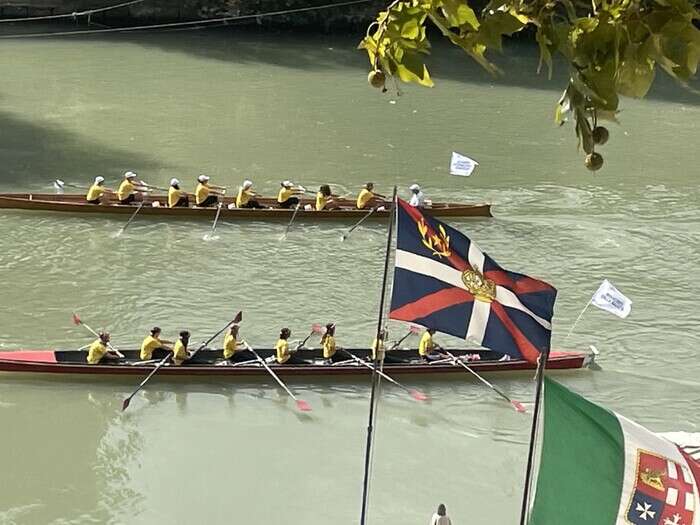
x,y
33,154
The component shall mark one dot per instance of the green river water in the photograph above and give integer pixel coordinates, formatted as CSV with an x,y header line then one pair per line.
x,y
271,107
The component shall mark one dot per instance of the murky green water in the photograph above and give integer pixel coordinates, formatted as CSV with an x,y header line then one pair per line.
x,y
273,107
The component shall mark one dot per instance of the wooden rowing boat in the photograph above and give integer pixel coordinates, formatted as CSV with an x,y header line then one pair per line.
x,y
75,203
209,363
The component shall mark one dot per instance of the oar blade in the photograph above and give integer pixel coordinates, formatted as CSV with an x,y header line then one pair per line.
x,y
126,403
303,406
418,395
519,407
76,320
238,318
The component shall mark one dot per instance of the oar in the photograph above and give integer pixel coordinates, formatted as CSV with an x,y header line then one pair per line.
x,y
77,321
133,215
412,330
210,235
235,320
347,233
315,329
415,394
516,404
302,405
284,236
162,362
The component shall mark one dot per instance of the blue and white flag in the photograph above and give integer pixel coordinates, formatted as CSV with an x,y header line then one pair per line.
x,y
611,300
461,165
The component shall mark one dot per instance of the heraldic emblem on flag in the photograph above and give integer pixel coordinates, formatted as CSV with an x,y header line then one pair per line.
x,y
442,280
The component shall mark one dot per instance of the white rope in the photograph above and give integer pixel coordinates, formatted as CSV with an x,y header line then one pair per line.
x,y
74,14
184,24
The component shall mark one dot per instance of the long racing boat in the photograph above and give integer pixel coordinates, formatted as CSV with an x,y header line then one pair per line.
x,y
154,205
210,363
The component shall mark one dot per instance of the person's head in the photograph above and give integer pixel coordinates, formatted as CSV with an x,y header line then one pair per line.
x,y
175,183
286,184
130,175
285,333
105,337
155,331
330,328
99,180
234,330
441,510
247,184
431,331
369,186
325,190
185,336
383,334
203,179
414,188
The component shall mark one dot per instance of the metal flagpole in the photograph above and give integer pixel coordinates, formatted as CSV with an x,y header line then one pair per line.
x,y
375,375
578,319
533,437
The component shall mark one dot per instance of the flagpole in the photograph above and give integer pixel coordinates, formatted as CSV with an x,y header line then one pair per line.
x,y
578,319
375,375
533,436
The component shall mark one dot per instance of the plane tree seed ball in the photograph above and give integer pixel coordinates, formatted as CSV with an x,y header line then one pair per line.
x,y
376,78
600,135
594,161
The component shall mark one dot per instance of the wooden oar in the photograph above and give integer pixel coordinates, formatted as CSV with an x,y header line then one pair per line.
x,y
133,216
415,394
315,329
235,320
302,405
347,233
77,321
284,235
411,330
455,361
210,235
167,358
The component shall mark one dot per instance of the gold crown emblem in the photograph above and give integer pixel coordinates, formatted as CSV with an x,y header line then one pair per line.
x,y
438,244
480,287
653,478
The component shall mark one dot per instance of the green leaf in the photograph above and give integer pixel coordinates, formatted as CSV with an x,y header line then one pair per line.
x,y
410,29
458,14
635,75
412,69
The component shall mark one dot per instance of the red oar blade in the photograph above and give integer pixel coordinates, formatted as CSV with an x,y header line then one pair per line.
x,y
76,320
303,406
415,329
417,395
519,407
316,328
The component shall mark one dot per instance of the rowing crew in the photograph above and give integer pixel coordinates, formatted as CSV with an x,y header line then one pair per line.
x,y
207,194
100,351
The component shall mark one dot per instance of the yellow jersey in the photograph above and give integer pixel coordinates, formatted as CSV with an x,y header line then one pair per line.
x,y
174,196
243,197
426,344
149,344
179,352
377,356
329,347
95,192
96,352
201,193
285,194
363,198
321,201
282,348
126,188
230,346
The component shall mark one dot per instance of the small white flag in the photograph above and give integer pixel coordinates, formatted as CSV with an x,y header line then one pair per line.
x,y
461,165
612,300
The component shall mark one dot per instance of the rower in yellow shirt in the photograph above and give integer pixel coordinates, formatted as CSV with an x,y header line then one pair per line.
x,y
288,195
177,198
180,353
151,343
382,354
207,194
126,193
283,353
97,190
99,351
246,197
329,346
427,347
368,197
324,199
232,350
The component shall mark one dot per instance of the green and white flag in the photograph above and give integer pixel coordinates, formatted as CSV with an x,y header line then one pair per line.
x,y
599,468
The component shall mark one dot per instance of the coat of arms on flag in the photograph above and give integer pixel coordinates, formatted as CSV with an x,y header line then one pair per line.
x,y
442,280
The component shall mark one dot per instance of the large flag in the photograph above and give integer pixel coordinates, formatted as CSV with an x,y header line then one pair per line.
x,y
599,468
442,280
612,300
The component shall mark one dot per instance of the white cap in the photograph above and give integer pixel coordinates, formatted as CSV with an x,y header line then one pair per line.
x,y
287,183
174,182
99,179
414,187
129,175
247,184
202,178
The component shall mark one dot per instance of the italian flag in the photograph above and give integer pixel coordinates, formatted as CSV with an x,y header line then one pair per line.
x,y
599,468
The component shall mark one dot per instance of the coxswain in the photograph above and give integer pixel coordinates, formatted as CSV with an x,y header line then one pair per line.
x,y
99,350
328,344
284,354
207,194
426,347
177,198
246,197
180,353
151,343
368,197
417,196
324,199
96,191
288,195
126,193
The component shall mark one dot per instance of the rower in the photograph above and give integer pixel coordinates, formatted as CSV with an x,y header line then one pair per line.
x,y
176,197
284,354
151,343
426,347
96,191
417,196
126,193
99,351
368,197
207,194
180,353
232,352
382,355
328,345
246,197
324,199
288,194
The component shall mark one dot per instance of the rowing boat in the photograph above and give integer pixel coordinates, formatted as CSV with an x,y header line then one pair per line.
x,y
75,203
210,363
